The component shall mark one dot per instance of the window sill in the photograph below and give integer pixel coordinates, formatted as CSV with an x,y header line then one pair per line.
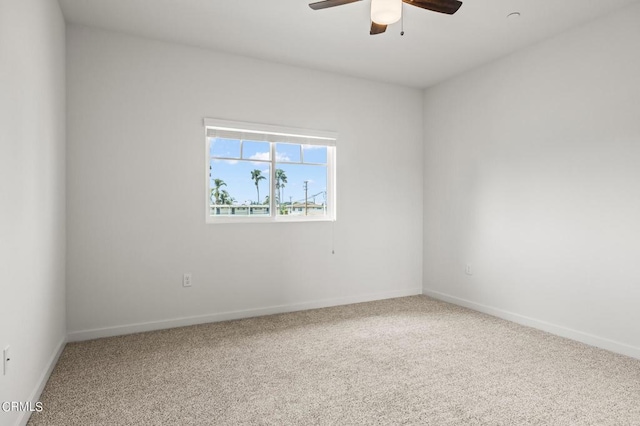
x,y
228,220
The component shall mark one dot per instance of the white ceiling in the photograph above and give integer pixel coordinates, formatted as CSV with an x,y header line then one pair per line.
x,y
434,46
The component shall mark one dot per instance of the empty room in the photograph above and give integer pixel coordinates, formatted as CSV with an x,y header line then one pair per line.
x,y
320,212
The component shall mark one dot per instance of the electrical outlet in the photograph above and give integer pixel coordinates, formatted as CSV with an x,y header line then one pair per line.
x,y
186,280
6,358
467,270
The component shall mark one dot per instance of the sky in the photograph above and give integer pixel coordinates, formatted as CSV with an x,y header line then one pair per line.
x,y
234,168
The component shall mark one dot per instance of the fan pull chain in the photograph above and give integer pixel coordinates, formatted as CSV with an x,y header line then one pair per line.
x,y
402,20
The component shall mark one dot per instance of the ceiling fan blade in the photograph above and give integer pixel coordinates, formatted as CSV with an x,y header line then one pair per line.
x,y
443,6
377,28
329,3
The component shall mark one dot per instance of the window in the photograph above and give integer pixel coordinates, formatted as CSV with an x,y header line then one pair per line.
x,y
263,173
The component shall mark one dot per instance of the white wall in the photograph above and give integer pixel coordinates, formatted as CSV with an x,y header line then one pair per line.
x,y
32,188
532,175
136,188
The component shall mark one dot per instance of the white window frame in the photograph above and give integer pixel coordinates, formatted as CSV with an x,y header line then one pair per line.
x,y
318,137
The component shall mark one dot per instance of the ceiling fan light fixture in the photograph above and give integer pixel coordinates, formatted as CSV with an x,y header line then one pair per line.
x,y
386,12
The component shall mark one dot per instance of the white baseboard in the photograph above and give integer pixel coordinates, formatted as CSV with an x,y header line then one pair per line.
x,y
96,333
35,395
589,339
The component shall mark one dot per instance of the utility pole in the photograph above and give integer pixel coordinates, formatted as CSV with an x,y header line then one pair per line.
x,y
306,187
324,201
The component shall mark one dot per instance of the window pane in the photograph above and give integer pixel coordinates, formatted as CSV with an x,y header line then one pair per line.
x,y
253,150
291,197
239,188
228,148
314,154
288,153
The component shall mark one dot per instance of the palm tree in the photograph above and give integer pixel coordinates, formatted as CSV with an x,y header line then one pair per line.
x,y
215,192
281,179
226,198
256,176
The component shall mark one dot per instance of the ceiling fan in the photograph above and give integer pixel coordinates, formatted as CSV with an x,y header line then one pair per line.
x,y
387,12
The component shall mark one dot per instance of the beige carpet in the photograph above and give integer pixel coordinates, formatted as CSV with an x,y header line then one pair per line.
x,y
411,360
